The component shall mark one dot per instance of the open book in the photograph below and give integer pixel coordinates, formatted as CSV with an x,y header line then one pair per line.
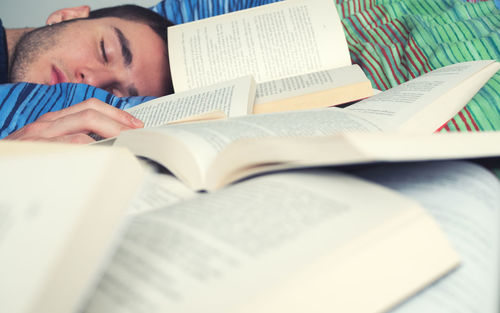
x,y
208,155
230,98
242,249
428,102
296,51
464,198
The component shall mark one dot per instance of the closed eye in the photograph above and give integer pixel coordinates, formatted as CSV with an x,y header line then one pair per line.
x,y
103,51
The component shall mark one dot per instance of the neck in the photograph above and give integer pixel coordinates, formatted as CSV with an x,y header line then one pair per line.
x,y
13,36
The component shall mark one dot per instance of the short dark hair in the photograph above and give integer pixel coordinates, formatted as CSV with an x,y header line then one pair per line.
x,y
135,13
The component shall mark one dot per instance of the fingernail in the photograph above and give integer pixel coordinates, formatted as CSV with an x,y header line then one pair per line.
x,y
136,122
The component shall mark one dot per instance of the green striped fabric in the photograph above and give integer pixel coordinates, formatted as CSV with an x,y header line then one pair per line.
x,y
396,40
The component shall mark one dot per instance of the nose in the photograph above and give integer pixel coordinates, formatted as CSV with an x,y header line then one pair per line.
x,y
98,77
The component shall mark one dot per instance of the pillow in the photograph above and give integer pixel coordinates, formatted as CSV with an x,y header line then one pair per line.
x,y
23,103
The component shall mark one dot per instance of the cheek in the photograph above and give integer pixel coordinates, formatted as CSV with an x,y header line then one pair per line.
x,y
75,50
151,77
39,71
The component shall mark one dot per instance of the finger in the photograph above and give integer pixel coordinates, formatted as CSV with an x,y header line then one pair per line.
x,y
87,121
73,138
84,122
97,105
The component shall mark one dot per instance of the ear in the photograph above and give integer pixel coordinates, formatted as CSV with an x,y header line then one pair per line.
x,y
68,14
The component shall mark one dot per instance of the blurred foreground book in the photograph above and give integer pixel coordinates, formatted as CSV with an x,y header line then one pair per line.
x,y
295,241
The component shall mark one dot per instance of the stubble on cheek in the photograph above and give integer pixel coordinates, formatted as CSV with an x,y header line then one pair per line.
x,y
30,48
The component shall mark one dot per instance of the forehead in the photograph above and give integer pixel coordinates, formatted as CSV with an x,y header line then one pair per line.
x,y
134,30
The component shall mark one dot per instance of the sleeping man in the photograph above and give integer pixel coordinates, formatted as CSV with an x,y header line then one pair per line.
x,y
122,50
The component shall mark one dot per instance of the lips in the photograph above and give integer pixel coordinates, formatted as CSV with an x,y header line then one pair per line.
x,y
57,76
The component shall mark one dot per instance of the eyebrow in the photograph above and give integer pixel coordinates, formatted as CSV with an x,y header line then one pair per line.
x,y
125,45
127,57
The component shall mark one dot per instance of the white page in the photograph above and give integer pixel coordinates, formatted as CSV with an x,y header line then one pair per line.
x,y
308,83
465,200
26,206
47,256
213,253
234,98
394,108
159,191
269,42
206,139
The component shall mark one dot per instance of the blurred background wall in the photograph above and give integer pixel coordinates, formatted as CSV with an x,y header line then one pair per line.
x,y
23,13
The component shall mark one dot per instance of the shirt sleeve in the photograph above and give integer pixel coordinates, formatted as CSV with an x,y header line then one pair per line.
x,y
23,103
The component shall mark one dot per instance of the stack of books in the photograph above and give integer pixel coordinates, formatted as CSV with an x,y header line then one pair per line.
x,y
287,184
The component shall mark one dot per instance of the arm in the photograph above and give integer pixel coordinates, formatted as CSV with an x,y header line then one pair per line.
x,y
73,124
24,104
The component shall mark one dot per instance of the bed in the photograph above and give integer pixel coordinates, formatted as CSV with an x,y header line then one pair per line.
x,y
392,41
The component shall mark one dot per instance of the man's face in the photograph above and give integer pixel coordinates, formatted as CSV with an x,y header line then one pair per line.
x,y
126,58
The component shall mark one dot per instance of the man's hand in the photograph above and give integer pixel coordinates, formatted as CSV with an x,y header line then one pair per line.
x,y
74,124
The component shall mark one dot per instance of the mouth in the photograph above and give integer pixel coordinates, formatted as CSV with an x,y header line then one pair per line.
x,y
57,76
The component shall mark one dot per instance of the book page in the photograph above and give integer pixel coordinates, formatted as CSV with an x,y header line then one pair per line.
x,y
427,102
248,157
464,198
234,98
159,191
199,143
58,218
308,83
269,42
226,251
